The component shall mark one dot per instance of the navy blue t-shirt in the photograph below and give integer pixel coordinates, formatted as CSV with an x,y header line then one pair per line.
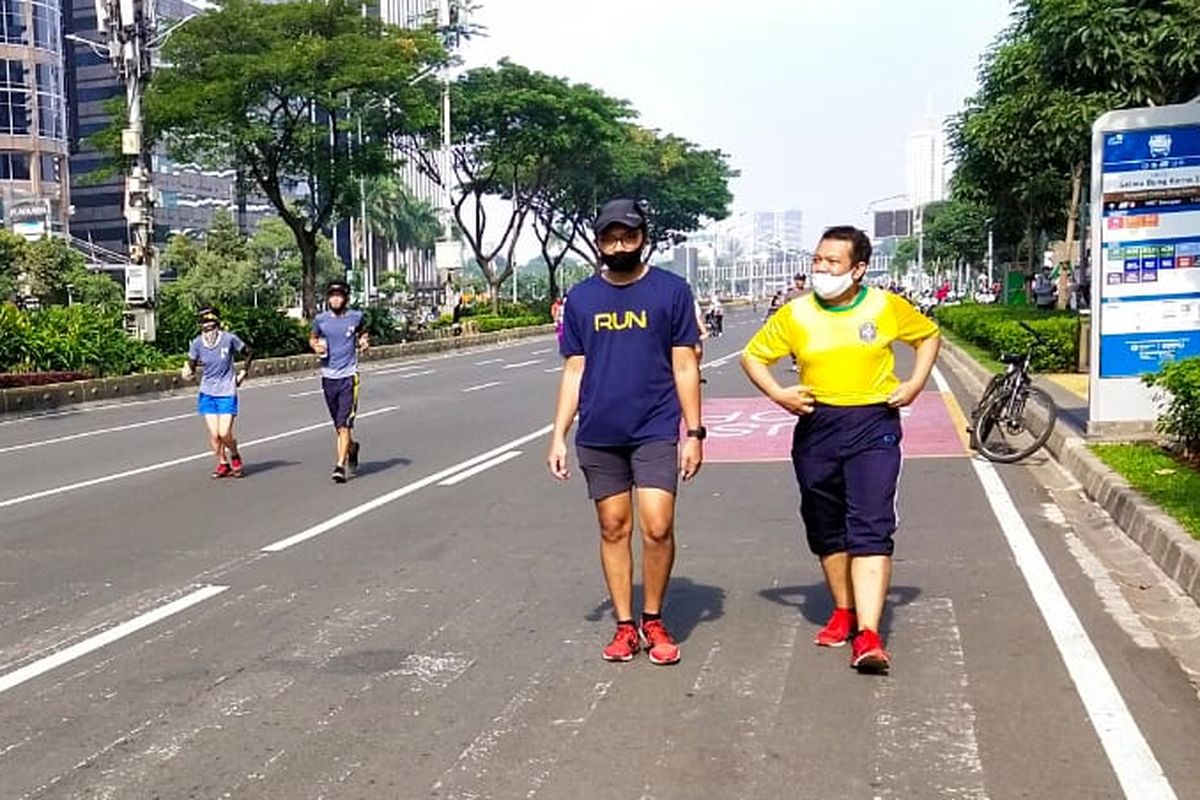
x,y
625,334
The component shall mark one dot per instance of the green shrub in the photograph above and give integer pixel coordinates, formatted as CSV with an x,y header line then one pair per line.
x,y
1178,385
997,330
75,339
490,324
381,326
269,331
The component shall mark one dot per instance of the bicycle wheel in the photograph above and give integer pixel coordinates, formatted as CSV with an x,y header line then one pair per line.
x,y
1006,437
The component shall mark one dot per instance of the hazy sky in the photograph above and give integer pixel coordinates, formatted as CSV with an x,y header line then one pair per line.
x,y
812,99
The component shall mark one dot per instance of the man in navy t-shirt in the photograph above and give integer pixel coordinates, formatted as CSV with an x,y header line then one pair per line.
x,y
337,337
629,337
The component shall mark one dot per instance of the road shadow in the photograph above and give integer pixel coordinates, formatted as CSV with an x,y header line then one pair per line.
x,y
255,467
687,605
372,467
815,605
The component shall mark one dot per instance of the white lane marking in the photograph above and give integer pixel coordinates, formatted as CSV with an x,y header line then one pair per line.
x,y
553,369
478,468
528,363
97,432
66,655
405,374
542,352
174,462
940,381
718,362
487,361
482,386
403,491
1137,769
309,393
925,726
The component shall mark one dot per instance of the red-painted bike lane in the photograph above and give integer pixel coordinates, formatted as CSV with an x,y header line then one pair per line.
x,y
755,429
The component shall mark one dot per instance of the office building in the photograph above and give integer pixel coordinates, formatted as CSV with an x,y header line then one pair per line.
x,y
925,163
34,184
779,230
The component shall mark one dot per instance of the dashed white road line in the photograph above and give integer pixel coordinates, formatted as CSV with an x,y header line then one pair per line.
x,y
92,643
552,369
404,373
519,364
97,432
403,491
542,352
487,361
309,393
478,468
129,473
482,386
717,362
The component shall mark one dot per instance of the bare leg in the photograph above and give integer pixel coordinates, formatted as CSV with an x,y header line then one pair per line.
x,y
225,431
656,514
871,576
837,578
615,515
343,446
213,423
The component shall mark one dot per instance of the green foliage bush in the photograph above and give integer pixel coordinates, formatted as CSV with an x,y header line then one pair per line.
x,y
997,330
269,331
75,339
489,323
381,326
1178,385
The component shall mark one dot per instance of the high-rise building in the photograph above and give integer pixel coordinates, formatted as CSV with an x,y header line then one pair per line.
x,y
779,230
34,184
187,194
925,163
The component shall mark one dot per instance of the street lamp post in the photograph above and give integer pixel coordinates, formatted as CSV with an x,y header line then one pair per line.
x,y
991,253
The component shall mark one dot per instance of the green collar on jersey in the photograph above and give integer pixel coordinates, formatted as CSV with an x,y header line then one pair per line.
x,y
862,295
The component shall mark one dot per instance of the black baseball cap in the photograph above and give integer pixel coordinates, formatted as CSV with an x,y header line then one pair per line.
x,y
208,314
337,287
620,212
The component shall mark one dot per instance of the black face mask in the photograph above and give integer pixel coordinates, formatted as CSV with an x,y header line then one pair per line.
x,y
622,261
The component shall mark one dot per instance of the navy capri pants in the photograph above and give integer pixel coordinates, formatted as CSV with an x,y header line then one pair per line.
x,y
847,462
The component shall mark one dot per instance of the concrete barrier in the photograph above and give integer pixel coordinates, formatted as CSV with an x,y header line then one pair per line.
x,y
31,399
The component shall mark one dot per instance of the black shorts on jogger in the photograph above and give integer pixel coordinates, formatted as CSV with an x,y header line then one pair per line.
x,y
847,462
341,397
616,470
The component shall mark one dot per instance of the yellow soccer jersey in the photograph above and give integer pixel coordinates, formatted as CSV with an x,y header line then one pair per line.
x,y
845,354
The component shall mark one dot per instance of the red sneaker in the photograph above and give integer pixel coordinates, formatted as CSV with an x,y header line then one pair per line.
x,y
624,645
842,626
867,654
222,471
236,467
660,647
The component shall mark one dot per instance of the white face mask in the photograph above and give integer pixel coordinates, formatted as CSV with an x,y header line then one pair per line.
x,y
829,286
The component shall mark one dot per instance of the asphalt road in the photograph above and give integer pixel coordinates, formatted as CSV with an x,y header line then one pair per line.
x,y
432,628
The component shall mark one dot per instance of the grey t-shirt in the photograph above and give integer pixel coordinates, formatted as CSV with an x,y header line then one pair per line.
x,y
340,334
219,378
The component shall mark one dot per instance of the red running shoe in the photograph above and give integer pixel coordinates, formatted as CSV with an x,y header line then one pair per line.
x,y
235,464
660,647
868,656
842,626
222,471
624,645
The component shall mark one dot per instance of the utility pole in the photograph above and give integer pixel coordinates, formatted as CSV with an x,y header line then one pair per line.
x,y
129,27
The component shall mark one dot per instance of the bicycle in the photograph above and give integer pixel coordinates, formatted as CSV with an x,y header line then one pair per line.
x,y
1013,419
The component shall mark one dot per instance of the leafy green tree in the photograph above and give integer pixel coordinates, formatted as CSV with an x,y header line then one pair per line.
x,y
12,249
273,248
95,289
283,91
47,266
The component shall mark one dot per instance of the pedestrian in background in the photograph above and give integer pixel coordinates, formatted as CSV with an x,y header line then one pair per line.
x,y
846,446
337,337
214,352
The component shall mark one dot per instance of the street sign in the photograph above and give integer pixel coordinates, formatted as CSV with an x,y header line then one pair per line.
x,y
1146,256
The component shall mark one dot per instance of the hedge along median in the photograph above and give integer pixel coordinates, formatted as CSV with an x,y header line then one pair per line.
x,y
997,330
40,398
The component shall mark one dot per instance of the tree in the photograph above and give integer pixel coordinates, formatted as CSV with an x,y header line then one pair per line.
x,y
11,249
47,266
283,90
273,248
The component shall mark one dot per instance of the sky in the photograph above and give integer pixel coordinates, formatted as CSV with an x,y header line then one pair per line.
x,y
811,99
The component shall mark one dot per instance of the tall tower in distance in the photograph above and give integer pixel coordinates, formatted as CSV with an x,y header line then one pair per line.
x,y
925,161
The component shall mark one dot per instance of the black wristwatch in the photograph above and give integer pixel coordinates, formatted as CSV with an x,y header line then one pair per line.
x,y
700,433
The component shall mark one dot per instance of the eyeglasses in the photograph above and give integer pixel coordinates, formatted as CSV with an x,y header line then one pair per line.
x,y
628,240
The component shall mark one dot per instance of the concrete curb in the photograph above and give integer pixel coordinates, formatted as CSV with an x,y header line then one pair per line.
x,y
1164,540
56,395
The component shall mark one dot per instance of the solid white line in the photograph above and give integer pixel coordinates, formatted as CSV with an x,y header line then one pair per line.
x,y
940,381
97,432
403,491
44,665
523,363
129,473
488,361
406,374
717,362
1138,771
478,468
306,394
481,386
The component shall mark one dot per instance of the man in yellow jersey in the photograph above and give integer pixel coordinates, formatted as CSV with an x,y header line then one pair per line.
x,y
846,447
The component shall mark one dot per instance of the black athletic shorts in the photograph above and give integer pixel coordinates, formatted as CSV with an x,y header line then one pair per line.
x,y
616,470
341,397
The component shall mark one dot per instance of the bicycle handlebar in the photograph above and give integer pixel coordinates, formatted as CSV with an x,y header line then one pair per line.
x,y
1030,329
